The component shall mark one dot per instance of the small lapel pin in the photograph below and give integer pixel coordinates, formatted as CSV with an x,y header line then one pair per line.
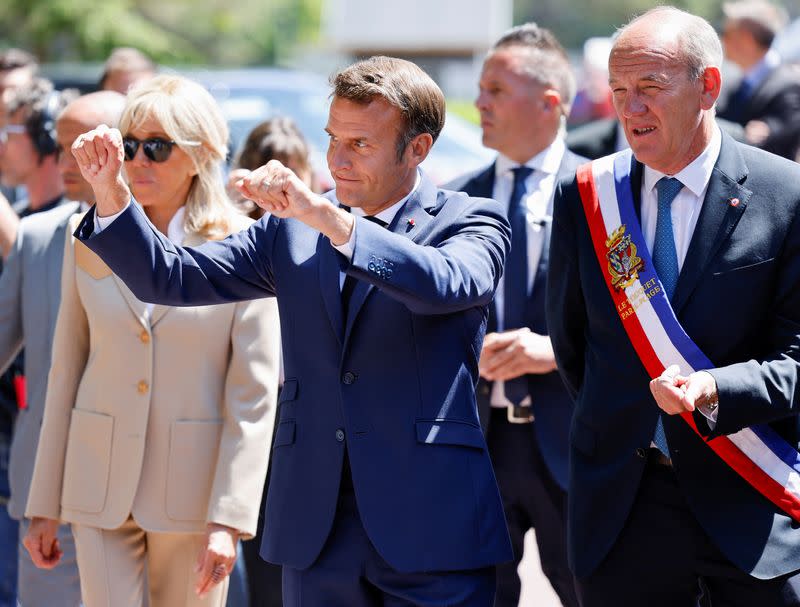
x,y
410,223
734,202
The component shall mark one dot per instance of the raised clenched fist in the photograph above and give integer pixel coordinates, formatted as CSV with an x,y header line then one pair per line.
x,y
99,154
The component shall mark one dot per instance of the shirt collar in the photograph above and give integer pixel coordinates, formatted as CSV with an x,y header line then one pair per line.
x,y
387,215
694,176
547,161
176,230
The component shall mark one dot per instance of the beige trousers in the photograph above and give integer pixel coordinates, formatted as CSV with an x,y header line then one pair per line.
x,y
112,568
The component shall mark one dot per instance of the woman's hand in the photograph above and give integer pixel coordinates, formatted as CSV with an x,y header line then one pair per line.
x,y
41,542
217,557
99,154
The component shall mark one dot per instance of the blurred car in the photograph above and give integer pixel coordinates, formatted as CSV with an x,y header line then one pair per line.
x,y
249,96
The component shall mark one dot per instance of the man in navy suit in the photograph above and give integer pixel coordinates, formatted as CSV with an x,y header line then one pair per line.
x,y
654,513
526,89
381,489
765,105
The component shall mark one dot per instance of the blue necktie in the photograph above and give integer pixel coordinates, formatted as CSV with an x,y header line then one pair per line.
x,y
515,278
665,263
738,101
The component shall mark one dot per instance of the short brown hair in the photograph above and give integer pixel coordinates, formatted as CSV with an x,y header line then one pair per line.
x,y
548,63
403,85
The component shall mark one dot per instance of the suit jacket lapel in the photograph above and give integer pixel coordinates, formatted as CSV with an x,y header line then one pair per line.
x,y
159,311
718,217
138,308
482,185
412,221
329,270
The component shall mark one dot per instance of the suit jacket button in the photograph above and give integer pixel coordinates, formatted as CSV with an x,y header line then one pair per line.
x,y
641,453
144,337
142,387
340,435
348,378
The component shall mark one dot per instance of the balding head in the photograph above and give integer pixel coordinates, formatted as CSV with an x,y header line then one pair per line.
x,y
82,115
93,109
665,80
692,38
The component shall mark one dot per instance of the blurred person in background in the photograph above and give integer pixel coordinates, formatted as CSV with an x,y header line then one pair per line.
x,y
525,92
17,69
27,158
28,146
766,103
274,139
125,68
157,421
30,292
593,99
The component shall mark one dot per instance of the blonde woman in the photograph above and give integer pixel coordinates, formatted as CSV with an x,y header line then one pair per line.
x,y
157,422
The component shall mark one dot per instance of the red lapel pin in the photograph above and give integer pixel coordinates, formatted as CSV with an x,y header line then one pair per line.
x,y
734,202
410,223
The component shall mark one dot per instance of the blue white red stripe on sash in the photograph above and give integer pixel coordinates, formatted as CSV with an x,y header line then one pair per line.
x,y
758,454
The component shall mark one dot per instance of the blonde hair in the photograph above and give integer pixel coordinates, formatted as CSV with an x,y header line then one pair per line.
x,y
188,113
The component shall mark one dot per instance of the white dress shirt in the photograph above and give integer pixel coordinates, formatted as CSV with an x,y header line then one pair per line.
x,y
685,208
540,187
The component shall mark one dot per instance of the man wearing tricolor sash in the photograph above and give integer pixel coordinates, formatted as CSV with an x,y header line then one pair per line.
x,y
674,312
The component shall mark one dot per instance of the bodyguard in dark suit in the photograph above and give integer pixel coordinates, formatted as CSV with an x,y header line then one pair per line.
x,y
381,489
654,512
766,102
526,89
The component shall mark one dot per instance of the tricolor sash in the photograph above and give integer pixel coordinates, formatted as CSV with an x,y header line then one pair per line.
x,y
758,454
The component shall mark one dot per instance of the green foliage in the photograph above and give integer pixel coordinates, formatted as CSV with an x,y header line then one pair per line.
x,y
234,32
573,21
465,109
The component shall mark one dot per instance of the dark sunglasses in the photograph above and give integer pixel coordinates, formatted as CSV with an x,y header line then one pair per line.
x,y
155,148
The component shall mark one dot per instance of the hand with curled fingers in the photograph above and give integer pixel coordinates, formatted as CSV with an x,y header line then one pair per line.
x,y
41,542
99,154
279,191
676,393
510,354
216,558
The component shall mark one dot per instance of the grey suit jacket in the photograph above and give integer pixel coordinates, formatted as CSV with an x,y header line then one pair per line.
x,y
30,292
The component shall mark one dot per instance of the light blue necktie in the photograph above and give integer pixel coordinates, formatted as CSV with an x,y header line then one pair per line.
x,y
665,263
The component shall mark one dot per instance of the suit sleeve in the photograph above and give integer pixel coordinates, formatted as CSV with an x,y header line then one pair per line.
x,y
156,271
11,337
461,271
766,388
251,387
565,306
70,353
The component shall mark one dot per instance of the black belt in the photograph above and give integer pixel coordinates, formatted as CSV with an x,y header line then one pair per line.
x,y
515,414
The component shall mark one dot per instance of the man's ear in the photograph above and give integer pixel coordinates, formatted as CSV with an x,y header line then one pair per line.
x,y
711,81
419,147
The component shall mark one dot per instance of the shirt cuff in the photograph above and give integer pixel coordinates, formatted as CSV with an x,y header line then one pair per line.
x,y
101,223
348,247
710,414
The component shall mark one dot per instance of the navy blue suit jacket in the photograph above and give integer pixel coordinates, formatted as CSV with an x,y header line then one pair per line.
x,y
396,381
738,298
552,405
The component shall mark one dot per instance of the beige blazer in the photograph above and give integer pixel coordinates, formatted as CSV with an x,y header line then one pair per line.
x,y
167,419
